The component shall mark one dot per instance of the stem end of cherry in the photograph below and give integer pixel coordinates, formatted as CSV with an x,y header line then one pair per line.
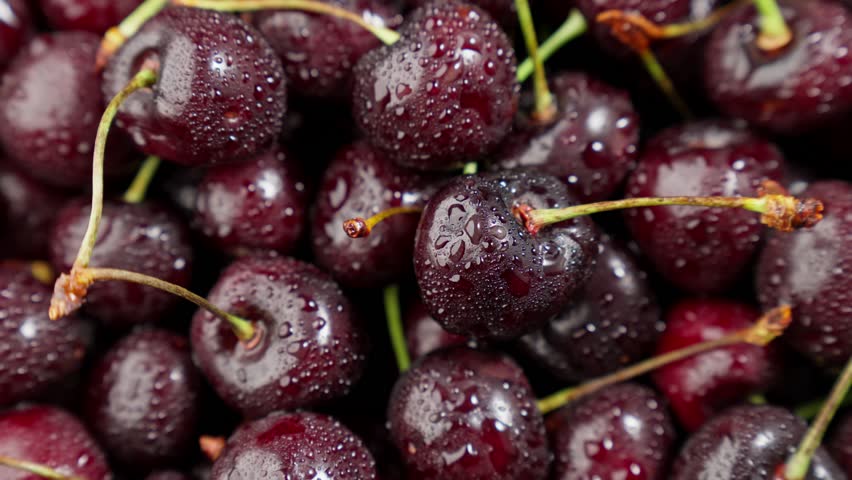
x,y
356,227
69,292
771,325
786,213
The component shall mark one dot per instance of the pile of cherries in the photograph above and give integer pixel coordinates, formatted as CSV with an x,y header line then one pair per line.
x,y
385,215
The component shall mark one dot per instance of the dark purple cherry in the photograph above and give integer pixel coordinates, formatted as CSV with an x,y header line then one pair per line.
x,y
701,250
748,442
253,205
613,322
90,15
36,353
501,10
50,106
298,445
465,414
620,432
309,348
220,94
361,182
142,398
796,88
53,438
424,335
445,93
840,443
15,27
809,269
319,51
700,386
481,274
591,145
143,237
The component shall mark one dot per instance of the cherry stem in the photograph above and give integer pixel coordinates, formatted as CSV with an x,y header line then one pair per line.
x,y
386,35
545,107
470,168
623,20
797,466
360,227
774,32
811,409
765,329
115,37
662,79
395,330
139,187
36,469
573,26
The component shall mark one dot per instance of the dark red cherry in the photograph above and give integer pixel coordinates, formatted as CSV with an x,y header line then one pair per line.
x,y
796,88
424,335
809,269
15,27
840,443
620,432
50,106
481,274
310,348
501,10
445,93
146,237
361,182
253,205
319,51
748,442
464,414
51,437
294,445
36,353
702,385
90,15
701,250
613,322
592,143
142,397
220,94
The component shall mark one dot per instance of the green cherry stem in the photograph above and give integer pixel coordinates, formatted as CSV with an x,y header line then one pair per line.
x,y
395,330
545,107
573,26
36,469
116,36
360,227
774,32
662,79
139,187
811,409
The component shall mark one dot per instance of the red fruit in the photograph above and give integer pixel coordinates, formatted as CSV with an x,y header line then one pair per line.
x,y
91,15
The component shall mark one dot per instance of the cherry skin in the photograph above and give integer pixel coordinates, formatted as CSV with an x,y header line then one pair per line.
x,y
501,10
220,94
464,414
90,15
612,323
622,431
701,250
481,274
748,442
840,443
319,51
803,85
51,437
146,238
253,205
36,354
423,335
361,182
50,106
309,348
15,27
294,445
591,145
167,475
809,270
445,93
700,386
142,397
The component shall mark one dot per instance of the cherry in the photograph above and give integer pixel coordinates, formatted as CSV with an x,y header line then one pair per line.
x,y
464,414
701,250
50,437
220,94
800,86
481,274
256,204
89,15
294,445
622,431
444,93
141,399
50,104
614,322
840,443
361,181
809,270
307,346
423,334
748,442
501,10
700,386
319,51
15,27
591,145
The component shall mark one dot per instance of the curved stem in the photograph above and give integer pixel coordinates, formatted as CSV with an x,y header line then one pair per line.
x,y
395,330
386,35
774,32
360,227
573,26
115,37
139,187
545,108
36,469
661,78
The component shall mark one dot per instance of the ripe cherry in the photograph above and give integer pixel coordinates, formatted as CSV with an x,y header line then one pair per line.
x,y
90,15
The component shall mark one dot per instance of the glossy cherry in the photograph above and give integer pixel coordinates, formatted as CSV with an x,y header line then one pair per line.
x,y
465,414
445,93
501,10
840,443
90,15
220,93
15,27
423,335
701,250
